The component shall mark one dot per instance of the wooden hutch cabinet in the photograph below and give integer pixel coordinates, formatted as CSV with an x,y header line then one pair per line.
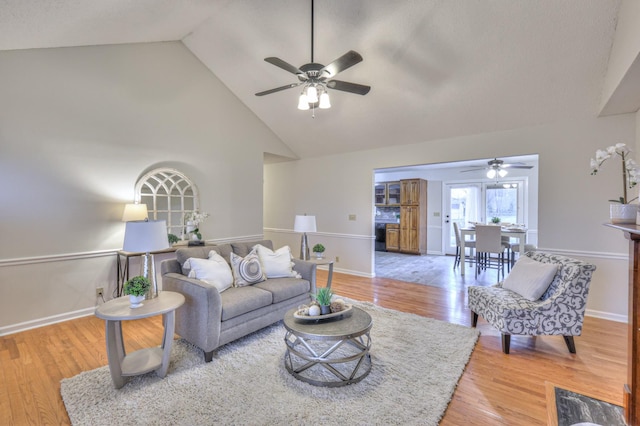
x,y
413,216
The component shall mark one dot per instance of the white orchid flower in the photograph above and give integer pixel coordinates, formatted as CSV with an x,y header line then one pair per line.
x,y
602,155
632,175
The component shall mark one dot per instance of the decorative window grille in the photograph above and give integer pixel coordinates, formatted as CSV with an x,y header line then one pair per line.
x,y
169,195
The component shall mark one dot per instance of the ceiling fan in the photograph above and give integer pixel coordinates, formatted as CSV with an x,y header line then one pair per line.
x,y
317,78
497,168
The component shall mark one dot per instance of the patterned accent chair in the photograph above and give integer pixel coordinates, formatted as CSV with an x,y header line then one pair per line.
x,y
560,310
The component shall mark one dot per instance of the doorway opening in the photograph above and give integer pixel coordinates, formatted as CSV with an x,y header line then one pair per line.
x,y
462,192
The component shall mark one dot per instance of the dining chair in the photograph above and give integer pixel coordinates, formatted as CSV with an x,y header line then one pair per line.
x,y
463,245
515,248
488,242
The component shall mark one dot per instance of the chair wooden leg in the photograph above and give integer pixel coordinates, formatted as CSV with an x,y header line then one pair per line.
x,y
570,344
474,319
506,342
456,262
208,356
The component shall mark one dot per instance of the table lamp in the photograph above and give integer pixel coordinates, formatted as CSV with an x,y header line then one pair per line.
x,y
135,212
304,224
145,237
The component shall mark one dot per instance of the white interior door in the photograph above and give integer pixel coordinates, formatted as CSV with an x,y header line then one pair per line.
x,y
462,204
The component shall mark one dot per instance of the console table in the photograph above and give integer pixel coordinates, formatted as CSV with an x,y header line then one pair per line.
x,y
632,388
142,361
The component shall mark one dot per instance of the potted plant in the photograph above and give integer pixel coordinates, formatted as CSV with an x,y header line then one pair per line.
x,y
173,239
620,209
318,249
323,297
495,220
137,288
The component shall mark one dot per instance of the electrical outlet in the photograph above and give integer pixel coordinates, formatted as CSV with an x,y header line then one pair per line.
x,y
352,217
99,292
337,259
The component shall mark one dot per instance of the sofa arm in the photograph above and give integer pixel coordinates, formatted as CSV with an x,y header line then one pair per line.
x,y
198,320
307,270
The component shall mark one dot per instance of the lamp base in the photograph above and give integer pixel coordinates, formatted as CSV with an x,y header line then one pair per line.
x,y
304,248
148,270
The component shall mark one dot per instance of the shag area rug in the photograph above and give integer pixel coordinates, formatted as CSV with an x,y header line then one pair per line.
x,y
416,364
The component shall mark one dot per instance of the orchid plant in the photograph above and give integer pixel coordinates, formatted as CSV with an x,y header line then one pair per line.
x,y
630,170
193,220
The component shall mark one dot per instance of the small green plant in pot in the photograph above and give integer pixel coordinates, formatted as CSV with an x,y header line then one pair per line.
x,y
318,249
495,220
137,288
323,297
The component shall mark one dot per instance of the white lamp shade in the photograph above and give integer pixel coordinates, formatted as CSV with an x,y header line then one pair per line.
x,y
304,223
145,237
502,172
325,103
303,103
491,173
134,212
312,94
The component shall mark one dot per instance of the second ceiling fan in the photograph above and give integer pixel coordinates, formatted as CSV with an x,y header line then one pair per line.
x,y
497,168
317,78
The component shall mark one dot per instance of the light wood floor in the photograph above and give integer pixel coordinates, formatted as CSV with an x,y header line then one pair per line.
x,y
495,389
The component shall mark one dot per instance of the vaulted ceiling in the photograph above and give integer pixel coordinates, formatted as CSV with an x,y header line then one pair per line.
x,y
437,68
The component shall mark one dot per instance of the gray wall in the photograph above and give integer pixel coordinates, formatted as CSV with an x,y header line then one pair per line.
x,y
78,126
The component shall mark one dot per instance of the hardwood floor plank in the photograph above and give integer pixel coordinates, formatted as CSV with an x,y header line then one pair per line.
x,y
495,389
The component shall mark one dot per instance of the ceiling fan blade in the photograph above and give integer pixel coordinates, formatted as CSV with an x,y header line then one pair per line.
x,y
345,61
284,65
278,89
511,166
345,86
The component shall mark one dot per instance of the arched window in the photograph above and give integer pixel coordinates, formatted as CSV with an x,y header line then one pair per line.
x,y
169,195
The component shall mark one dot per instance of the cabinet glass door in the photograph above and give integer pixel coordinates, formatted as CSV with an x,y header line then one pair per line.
x,y
393,191
380,192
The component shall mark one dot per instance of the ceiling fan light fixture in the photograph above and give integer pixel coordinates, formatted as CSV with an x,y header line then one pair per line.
x,y
303,102
491,173
502,173
325,103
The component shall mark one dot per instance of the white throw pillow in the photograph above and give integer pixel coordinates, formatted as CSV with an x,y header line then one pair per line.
x,y
214,270
530,278
247,270
277,264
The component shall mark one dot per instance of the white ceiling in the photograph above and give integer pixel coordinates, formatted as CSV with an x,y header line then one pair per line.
x,y
438,68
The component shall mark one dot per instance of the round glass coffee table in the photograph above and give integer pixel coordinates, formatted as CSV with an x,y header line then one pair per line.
x,y
331,352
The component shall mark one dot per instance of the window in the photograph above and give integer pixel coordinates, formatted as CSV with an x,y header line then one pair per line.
x,y
169,195
502,201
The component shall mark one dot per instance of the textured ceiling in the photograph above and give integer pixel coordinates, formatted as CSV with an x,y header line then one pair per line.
x,y
437,68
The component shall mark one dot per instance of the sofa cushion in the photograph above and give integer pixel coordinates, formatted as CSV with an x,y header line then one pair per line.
x,y
214,270
240,300
277,264
530,278
183,254
224,250
285,288
243,248
246,270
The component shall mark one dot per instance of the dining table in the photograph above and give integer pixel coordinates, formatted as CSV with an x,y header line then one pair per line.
x,y
518,233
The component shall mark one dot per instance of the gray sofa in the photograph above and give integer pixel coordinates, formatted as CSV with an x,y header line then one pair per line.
x,y
209,319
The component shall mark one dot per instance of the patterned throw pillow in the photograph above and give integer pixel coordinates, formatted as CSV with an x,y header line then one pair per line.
x,y
277,264
247,270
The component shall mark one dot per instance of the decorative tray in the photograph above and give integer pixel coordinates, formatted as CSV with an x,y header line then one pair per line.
x,y
322,317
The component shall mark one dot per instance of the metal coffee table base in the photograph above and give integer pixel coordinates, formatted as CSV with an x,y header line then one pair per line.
x,y
347,359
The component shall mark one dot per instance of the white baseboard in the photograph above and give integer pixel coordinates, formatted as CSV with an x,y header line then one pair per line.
x,y
41,322
606,315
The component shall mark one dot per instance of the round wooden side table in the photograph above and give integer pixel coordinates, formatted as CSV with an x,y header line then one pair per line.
x,y
123,365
